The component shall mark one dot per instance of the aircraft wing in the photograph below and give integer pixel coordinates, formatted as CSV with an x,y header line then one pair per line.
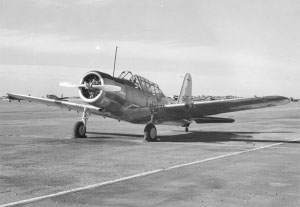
x,y
61,104
196,110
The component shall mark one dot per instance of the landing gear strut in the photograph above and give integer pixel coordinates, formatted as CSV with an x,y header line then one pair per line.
x,y
79,129
150,133
186,129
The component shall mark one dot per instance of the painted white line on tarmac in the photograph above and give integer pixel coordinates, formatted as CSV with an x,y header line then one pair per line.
x,y
31,200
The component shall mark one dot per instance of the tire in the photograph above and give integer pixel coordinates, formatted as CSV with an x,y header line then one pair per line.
x,y
150,133
79,130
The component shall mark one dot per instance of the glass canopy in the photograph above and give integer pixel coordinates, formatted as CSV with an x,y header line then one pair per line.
x,y
142,84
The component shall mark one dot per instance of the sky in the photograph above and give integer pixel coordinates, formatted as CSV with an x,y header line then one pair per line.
x,y
231,47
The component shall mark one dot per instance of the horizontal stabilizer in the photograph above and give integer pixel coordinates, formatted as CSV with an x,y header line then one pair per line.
x,y
213,120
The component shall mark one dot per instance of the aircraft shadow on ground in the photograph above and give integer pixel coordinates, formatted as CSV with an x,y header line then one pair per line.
x,y
106,135
201,136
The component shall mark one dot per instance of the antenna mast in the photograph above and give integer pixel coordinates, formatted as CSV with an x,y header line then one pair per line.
x,y
115,61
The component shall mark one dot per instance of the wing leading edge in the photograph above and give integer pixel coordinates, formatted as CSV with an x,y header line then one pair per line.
x,y
61,104
172,114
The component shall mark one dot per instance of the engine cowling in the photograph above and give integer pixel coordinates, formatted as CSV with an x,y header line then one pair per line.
x,y
111,101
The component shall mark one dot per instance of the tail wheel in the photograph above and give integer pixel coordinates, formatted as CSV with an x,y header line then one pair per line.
x,y
79,130
150,133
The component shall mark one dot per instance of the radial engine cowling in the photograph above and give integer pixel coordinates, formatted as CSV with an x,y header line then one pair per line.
x,y
111,101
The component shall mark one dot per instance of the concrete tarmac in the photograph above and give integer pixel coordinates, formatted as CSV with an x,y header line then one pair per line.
x,y
231,166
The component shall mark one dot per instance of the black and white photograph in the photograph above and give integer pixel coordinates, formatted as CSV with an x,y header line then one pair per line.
x,y
149,103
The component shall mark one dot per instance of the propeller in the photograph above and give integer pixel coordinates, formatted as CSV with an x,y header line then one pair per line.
x,y
89,86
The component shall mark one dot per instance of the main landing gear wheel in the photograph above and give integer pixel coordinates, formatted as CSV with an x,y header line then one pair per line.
x,y
79,130
150,133
186,129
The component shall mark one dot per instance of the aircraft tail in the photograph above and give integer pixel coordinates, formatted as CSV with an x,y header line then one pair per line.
x,y
185,95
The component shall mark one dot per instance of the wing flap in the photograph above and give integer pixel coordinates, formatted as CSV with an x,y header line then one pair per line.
x,y
213,120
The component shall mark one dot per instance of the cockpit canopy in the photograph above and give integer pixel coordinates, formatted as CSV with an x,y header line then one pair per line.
x,y
142,84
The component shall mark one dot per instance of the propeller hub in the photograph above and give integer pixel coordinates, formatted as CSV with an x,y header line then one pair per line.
x,y
89,80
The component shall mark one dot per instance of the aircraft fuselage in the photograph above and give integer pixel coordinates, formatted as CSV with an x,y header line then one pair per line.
x,y
126,104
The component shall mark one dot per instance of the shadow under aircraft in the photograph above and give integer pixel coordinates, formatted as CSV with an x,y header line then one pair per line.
x,y
199,136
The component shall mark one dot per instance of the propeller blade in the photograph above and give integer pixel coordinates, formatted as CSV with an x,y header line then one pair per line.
x,y
71,85
100,87
107,87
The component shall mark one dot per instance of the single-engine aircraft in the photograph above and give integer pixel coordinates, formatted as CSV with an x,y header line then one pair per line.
x,y
10,98
135,99
55,97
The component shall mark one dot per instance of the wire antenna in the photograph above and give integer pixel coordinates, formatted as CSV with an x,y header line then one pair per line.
x,y
115,60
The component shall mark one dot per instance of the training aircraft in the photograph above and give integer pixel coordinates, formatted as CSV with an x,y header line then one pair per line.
x,y
10,98
135,99
55,97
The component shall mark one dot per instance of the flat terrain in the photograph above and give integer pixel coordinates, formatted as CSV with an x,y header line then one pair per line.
x,y
247,163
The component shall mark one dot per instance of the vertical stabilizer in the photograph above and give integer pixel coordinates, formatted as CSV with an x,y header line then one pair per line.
x,y
185,95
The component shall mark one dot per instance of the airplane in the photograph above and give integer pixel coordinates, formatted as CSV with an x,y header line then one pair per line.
x,y
10,98
135,99
52,96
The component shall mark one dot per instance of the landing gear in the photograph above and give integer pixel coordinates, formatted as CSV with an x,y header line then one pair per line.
x,y
150,133
187,127
79,129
